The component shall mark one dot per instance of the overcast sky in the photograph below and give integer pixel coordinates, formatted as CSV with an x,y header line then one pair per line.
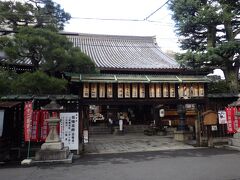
x,y
122,9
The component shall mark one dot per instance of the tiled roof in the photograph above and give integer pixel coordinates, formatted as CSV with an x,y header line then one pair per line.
x,y
123,52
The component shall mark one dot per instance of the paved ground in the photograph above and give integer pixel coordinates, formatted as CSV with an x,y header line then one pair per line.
x,y
187,164
107,144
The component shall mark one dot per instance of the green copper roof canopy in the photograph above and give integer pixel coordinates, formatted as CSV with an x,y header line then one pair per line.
x,y
128,78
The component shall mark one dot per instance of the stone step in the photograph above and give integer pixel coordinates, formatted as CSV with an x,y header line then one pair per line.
x,y
128,129
99,130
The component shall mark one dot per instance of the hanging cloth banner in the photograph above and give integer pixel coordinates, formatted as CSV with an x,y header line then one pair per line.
x,y
35,126
44,125
28,111
237,120
230,113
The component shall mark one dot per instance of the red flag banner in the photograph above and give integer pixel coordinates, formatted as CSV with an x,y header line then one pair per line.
x,y
237,119
28,110
44,125
35,125
231,123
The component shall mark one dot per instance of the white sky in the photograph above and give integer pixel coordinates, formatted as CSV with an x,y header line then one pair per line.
x,y
122,9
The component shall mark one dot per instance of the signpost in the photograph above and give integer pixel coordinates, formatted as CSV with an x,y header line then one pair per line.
x,y
69,129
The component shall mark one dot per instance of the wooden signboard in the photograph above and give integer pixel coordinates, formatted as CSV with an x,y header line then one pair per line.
x,y
109,91
209,117
86,90
134,90
186,90
201,90
142,90
158,90
93,90
127,90
165,90
172,90
180,91
152,90
120,90
195,90
102,90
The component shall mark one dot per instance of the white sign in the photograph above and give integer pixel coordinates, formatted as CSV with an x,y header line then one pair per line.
x,y
222,117
69,129
214,128
1,121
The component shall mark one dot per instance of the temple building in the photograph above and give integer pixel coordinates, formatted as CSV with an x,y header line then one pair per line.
x,y
136,79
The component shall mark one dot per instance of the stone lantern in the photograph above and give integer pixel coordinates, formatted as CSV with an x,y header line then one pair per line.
x,y
53,149
181,110
52,141
181,134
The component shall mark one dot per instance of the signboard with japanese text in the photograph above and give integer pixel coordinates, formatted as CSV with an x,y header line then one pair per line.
x,y
93,90
28,111
102,90
201,90
127,90
195,90
69,125
158,90
44,129
152,90
134,90
230,112
35,125
165,90
109,91
120,90
86,90
222,117
142,90
172,90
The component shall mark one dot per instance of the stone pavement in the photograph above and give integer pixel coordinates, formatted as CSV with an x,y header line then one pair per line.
x,y
132,142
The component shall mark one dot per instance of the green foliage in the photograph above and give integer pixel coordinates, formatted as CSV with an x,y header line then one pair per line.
x,y
30,83
38,83
218,87
209,30
36,13
6,80
47,50
80,62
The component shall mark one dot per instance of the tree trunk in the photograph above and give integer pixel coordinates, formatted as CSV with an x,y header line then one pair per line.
x,y
231,76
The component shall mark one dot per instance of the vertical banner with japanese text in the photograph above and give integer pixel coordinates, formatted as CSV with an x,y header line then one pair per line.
x,y
28,111
230,113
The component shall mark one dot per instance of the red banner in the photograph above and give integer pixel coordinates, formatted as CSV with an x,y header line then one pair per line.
x,y
44,125
232,124
237,120
28,110
35,125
